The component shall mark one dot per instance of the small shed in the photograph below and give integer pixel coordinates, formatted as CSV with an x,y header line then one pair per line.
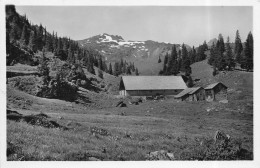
x,y
216,91
192,94
151,85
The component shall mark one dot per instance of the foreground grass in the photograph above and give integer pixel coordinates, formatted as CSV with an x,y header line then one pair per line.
x,y
182,128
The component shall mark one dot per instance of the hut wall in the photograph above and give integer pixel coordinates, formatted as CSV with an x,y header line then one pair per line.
x,y
197,96
152,92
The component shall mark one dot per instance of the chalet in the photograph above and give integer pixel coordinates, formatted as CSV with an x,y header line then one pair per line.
x,y
151,85
191,94
216,91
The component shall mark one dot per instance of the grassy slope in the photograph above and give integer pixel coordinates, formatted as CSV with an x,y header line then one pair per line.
x,y
136,129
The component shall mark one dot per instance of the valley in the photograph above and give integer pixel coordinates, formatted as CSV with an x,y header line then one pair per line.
x,y
133,131
66,100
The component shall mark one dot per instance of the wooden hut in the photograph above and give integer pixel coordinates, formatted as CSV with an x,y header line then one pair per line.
x,y
151,85
192,94
216,91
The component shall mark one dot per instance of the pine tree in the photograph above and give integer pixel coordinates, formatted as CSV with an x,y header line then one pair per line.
x,y
116,69
220,61
14,32
124,67
7,44
31,44
43,68
110,71
249,52
173,62
229,60
238,48
221,44
136,72
39,38
24,36
165,64
205,46
128,70
185,59
193,55
104,67
100,74
159,60
100,66
90,67
71,58
212,58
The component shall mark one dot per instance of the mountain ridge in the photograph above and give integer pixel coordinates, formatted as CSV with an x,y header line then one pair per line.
x,y
114,47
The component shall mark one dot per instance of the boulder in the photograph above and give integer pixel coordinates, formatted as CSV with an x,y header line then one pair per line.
x,y
220,136
160,155
93,159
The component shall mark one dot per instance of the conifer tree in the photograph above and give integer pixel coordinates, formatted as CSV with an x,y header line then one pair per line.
x,y
193,55
205,46
128,70
24,36
238,48
7,44
219,60
185,59
221,44
229,60
116,69
100,74
124,67
100,66
174,63
136,72
165,64
39,38
70,58
43,68
212,58
110,71
31,44
14,32
104,67
159,60
249,52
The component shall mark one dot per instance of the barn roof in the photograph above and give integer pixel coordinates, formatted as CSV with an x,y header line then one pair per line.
x,y
211,86
187,91
153,82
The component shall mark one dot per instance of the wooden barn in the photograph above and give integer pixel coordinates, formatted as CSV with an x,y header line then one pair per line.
x,y
216,91
151,85
192,94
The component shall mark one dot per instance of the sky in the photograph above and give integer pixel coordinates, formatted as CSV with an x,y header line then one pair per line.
x,y
174,24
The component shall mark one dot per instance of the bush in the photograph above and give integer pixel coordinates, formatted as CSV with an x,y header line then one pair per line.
x,y
224,150
100,74
214,73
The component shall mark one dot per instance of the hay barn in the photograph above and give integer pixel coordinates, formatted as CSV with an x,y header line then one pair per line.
x,y
191,94
216,91
151,85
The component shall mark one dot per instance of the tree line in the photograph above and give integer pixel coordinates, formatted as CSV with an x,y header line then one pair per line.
x,y
123,67
181,59
223,57
21,33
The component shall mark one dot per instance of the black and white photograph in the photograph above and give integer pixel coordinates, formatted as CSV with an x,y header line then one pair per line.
x,y
122,82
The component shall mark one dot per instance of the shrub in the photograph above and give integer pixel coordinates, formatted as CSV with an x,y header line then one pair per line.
x,y
224,150
100,74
